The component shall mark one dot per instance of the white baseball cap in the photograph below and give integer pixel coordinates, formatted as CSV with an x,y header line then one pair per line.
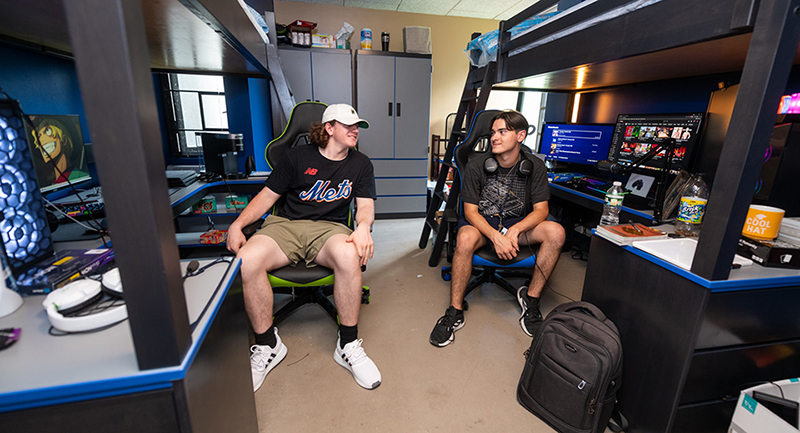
x,y
343,114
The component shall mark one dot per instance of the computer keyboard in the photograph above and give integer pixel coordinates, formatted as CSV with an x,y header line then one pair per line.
x,y
89,209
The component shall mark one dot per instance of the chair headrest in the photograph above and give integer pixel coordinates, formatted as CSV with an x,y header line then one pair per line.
x,y
478,131
296,131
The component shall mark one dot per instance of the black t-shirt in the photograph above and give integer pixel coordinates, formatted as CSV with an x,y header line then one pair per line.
x,y
503,192
317,188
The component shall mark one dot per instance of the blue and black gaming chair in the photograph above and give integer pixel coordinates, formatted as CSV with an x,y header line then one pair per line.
x,y
306,284
487,267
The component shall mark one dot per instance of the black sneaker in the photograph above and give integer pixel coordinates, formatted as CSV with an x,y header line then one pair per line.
x,y
444,331
531,318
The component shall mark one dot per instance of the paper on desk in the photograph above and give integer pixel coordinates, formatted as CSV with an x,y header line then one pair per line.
x,y
679,252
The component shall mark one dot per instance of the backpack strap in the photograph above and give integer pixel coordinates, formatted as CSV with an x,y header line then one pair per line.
x,y
618,422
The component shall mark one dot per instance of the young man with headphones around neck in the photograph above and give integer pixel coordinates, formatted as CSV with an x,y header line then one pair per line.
x,y
505,196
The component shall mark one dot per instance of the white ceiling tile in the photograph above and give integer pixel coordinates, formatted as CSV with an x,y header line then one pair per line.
x,y
322,2
482,6
440,7
472,14
515,9
489,9
385,5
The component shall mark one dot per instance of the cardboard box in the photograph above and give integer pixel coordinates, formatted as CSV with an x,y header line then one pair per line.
x,y
206,205
214,237
775,253
61,268
750,416
237,201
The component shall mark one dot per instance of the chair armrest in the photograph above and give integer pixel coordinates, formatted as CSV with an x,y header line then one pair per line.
x,y
252,228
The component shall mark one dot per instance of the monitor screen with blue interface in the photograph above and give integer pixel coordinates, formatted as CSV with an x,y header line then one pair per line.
x,y
637,134
578,143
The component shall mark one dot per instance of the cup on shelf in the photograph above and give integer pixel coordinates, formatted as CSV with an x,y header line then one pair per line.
x,y
763,222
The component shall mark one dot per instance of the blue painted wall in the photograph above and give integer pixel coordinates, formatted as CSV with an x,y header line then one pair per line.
x,y
44,84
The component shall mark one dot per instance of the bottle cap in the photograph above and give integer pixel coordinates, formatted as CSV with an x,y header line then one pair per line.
x,y
617,183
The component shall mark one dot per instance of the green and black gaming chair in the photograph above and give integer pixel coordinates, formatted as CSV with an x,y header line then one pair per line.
x,y
306,285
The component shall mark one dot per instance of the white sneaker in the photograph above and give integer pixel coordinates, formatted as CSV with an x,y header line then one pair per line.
x,y
355,360
264,358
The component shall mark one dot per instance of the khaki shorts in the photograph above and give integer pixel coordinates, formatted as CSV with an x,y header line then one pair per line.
x,y
301,239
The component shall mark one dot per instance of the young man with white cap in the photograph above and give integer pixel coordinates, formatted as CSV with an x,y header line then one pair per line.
x,y
319,183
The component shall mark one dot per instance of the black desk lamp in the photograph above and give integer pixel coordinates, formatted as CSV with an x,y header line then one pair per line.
x,y
661,184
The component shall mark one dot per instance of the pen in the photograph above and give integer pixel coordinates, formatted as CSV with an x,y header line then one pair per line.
x,y
635,228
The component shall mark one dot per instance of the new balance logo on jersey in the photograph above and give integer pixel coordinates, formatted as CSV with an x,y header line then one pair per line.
x,y
311,171
320,191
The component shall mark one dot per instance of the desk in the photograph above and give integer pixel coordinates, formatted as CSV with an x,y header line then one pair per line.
x,y
690,344
91,382
572,198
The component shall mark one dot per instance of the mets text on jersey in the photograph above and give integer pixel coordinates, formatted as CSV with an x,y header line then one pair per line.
x,y
321,193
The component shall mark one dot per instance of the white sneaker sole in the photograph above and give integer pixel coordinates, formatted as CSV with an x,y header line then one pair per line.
x,y
346,366
278,358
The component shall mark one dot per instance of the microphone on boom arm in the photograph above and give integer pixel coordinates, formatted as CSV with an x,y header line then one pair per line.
x,y
612,167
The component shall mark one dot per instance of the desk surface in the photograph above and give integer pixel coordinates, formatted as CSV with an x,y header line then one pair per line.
x,y
596,204
41,369
754,276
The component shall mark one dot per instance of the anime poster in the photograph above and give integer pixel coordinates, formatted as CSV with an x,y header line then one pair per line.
x,y
57,149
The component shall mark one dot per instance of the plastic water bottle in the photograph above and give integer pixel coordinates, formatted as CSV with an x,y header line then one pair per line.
x,y
613,204
694,197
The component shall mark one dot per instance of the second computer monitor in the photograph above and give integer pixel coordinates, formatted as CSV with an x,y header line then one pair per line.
x,y
576,143
636,134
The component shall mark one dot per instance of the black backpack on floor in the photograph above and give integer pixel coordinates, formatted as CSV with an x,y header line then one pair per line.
x,y
573,370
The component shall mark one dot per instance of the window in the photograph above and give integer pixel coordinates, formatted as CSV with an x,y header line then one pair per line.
x,y
193,104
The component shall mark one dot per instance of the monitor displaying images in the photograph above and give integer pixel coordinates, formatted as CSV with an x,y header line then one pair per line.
x,y
636,134
58,151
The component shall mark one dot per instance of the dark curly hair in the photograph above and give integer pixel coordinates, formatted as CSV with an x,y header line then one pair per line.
x,y
318,135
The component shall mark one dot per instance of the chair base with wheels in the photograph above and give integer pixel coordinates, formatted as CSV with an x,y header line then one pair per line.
x,y
488,268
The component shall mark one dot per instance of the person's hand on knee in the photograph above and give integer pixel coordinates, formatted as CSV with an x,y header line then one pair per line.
x,y
362,240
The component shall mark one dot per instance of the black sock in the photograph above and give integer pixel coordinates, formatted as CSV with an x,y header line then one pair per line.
x,y
532,302
268,338
347,334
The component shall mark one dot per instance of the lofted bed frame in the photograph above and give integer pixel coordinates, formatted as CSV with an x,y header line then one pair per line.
x,y
691,340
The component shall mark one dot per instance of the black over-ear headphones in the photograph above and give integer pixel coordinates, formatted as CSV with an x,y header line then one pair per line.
x,y
525,165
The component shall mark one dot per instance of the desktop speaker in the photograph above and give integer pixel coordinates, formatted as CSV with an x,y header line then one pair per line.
x,y
780,174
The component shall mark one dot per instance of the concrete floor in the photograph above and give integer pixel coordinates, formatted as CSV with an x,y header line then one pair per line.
x,y
469,385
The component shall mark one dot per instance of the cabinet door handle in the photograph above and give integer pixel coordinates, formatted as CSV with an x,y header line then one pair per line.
x,y
390,109
398,109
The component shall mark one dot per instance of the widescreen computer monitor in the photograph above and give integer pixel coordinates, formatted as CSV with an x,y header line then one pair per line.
x,y
58,151
636,134
578,143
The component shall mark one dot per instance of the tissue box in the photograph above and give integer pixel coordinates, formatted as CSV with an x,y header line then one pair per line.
x,y
205,205
322,41
775,253
417,39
